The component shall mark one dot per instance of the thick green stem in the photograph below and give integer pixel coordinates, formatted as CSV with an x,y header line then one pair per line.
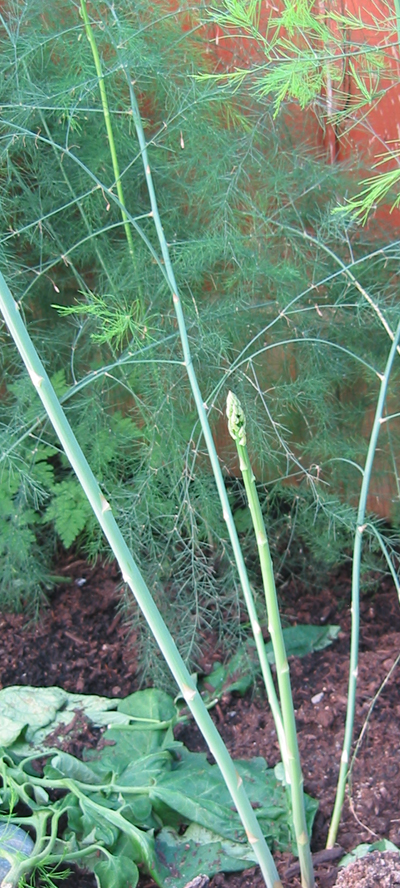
x,y
205,426
136,583
355,598
237,429
107,120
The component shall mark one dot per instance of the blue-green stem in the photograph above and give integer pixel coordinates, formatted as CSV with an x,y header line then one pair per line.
x,y
107,121
237,430
355,597
133,578
205,426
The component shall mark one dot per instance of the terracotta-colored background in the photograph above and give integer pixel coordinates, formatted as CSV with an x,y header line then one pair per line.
x,y
359,141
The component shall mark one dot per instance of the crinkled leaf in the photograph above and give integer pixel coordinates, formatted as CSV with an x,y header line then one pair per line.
x,y
42,711
151,714
199,851
35,707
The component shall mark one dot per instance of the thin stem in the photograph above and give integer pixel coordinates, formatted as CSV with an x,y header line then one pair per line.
x,y
205,426
237,430
107,120
397,8
355,597
133,578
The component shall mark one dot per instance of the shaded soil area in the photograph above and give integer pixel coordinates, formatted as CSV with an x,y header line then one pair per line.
x,y
82,645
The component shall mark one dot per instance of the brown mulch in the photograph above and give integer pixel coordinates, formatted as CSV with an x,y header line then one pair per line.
x,y
82,645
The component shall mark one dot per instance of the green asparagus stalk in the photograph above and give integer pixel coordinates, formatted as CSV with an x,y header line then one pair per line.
x,y
355,597
205,426
237,430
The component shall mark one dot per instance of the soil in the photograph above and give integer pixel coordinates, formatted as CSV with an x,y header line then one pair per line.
x,y
82,645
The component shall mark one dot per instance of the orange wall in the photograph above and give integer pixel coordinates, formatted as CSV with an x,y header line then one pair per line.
x,y
363,135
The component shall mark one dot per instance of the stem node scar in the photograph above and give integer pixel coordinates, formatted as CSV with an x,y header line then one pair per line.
x,y
252,839
188,693
345,757
257,628
105,505
35,378
175,298
239,779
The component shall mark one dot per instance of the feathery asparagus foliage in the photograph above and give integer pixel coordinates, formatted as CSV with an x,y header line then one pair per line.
x,y
247,217
337,63
299,67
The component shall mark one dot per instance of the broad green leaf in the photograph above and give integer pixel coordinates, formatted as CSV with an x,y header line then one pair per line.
x,y
9,730
196,792
145,770
302,640
103,815
116,872
124,748
150,714
199,850
150,706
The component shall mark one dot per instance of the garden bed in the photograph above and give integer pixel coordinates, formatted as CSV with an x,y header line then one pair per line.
x,y
82,645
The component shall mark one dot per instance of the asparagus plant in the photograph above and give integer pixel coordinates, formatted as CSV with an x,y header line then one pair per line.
x,y
198,398
237,430
135,581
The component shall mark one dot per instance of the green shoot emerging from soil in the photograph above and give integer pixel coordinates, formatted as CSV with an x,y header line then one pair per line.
x,y
290,751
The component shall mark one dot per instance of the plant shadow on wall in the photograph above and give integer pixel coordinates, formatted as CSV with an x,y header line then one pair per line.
x,y
273,292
